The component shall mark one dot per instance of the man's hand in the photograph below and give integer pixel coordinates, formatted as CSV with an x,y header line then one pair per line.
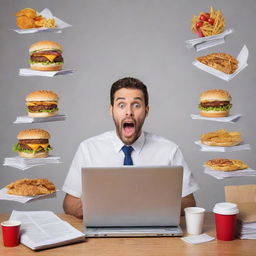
x,y
73,206
187,201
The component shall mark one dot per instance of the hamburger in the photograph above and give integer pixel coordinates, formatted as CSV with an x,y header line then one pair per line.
x,y
33,143
42,103
215,103
46,56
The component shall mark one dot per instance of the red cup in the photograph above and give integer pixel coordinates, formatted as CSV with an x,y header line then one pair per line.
x,y
11,233
225,220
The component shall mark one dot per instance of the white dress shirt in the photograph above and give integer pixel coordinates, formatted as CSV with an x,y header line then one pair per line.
x,y
105,150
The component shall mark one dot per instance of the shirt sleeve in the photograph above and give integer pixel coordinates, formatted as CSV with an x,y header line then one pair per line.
x,y
73,182
189,185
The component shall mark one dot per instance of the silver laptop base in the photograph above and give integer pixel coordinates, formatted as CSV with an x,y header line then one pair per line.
x,y
132,231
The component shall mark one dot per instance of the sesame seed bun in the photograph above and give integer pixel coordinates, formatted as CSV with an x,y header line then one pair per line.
x,y
33,134
214,113
45,45
36,155
215,95
49,67
42,95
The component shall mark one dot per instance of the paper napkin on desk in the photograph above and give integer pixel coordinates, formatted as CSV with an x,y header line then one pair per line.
x,y
230,174
242,63
22,199
207,148
28,119
202,43
31,72
48,15
228,119
198,239
26,163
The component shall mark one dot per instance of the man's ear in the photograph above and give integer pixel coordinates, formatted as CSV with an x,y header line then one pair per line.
x,y
110,109
147,110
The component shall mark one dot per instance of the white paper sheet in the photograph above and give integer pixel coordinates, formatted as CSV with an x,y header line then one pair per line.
x,y
23,199
47,14
30,72
198,239
44,229
202,43
28,119
228,119
26,163
230,174
207,148
242,63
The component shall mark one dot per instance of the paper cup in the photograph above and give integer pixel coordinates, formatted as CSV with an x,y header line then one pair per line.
x,y
194,220
11,233
225,220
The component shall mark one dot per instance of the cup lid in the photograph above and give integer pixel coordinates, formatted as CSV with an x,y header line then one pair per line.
x,y
226,208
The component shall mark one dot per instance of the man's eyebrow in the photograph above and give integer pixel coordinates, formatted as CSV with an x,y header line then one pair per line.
x,y
123,98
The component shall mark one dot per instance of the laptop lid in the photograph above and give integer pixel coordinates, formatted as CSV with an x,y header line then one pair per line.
x,y
129,196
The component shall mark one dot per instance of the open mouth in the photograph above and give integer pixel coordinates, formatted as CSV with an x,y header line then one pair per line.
x,y
128,128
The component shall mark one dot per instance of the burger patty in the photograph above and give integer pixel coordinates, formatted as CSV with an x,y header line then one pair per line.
x,y
33,141
44,59
42,107
214,104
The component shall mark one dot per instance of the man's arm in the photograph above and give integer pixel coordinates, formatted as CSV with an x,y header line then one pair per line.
x,y
187,201
73,206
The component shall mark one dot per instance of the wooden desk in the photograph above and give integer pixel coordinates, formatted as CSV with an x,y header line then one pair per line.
x,y
138,246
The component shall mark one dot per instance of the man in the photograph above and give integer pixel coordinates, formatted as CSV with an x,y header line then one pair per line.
x,y
127,145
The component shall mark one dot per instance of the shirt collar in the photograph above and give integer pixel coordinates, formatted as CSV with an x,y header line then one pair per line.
x,y
137,145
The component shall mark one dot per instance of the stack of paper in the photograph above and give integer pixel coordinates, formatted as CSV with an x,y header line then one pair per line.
x,y
228,119
28,119
30,72
207,148
230,174
26,163
43,229
23,199
242,63
48,15
202,43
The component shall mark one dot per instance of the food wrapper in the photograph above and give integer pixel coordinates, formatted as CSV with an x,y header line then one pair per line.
x,y
28,119
228,119
202,43
242,63
207,148
23,199
230,174
31,72
198,239
48,15
26,163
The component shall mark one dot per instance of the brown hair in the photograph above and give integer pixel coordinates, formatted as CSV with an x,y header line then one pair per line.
x,y
128,82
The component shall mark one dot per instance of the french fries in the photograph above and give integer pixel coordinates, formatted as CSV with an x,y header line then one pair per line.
x,y
208,24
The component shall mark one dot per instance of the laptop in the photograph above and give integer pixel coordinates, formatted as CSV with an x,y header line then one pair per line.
x,y
132,201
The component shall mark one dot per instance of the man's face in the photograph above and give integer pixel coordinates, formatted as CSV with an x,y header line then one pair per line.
x,y
129,112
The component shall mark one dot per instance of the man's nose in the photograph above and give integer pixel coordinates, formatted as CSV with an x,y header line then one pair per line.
x,y
129,111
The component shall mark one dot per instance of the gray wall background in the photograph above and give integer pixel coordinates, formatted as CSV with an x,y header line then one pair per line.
x,y
116,38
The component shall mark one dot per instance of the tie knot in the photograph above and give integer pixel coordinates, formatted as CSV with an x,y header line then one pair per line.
x,y
127,150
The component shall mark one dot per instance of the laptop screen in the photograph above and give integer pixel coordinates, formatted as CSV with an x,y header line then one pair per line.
x,y
131,196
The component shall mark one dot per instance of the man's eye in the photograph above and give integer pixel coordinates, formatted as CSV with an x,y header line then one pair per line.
x,y
136,105
121,105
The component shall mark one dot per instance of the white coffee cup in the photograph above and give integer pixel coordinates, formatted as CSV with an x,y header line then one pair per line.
x,y
194,220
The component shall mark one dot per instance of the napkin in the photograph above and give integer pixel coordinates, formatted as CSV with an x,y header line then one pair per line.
x,y
28,119
30,72
26,163
198,239
22,199
242,63
202,43
228,119
230,174
222,149
48,15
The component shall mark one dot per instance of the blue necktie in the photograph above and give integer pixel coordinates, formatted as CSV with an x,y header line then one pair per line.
x,y
127,152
